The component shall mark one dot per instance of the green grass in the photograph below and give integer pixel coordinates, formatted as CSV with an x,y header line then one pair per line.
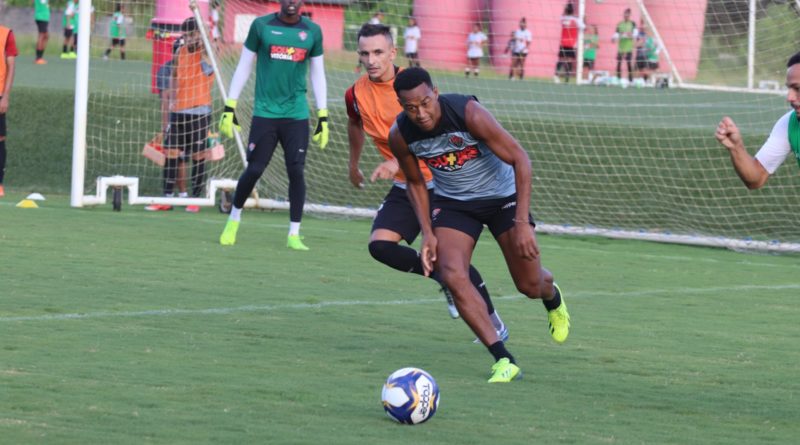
x,y
136,327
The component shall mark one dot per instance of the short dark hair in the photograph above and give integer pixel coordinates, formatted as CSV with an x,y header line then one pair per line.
x,y
410,78
794,60
569,9
189,25
370,30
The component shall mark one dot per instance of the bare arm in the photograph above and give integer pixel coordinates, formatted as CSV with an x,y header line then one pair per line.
x,y
6,93
482,125
355,137
750,171
417,194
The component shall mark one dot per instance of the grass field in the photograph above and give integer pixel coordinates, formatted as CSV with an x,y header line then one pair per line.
x,y
135,327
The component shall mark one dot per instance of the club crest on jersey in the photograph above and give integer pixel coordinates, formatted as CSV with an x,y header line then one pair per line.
x,y
290,53
456,141
453,160
303,35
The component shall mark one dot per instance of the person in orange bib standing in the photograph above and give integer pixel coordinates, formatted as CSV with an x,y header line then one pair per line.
x,y
190,113
372,107
8,55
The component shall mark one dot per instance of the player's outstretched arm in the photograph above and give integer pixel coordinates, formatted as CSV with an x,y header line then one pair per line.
x,y
750,171
417,194
482,124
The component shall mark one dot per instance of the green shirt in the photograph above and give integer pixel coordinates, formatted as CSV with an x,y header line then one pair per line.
x,y
625,44
590,46
651,49
71,8
794,135
117,26
283,52
41,10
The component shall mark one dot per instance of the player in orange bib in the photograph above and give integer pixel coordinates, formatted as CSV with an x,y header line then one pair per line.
x,y
372,107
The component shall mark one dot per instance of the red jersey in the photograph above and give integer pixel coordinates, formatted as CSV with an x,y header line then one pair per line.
x,y
570,25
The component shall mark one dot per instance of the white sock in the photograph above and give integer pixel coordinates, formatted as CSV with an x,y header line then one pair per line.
x,y
183,195
496,321
294,228
236,214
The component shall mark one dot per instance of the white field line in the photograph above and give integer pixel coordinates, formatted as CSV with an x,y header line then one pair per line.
x,y
350,303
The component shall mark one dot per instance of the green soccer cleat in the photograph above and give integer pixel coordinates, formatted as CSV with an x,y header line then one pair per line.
x,y
504,371
558,319
295,242
228,237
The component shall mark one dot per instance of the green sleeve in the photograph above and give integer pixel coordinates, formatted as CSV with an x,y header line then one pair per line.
x,y
317,49
252,41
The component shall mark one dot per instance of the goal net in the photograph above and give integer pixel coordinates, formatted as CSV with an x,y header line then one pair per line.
x,y
612,155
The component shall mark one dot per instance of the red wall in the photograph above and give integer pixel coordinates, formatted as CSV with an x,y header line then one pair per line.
x,y
445,25
329,17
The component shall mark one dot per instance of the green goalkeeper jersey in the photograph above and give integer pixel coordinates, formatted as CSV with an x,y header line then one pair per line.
x,y
41,10
117,27
625,43
67,21
283,52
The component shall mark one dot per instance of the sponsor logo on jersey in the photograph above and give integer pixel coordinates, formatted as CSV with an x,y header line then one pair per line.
x,y
453,160
290,53
277,33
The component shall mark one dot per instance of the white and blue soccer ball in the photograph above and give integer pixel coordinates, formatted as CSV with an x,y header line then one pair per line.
x,y
410,396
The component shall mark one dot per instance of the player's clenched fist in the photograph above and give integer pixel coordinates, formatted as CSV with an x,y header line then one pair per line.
x,y
728,133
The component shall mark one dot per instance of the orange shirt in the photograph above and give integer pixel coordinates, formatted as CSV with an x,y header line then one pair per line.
x,y
192,85
8,48
375,103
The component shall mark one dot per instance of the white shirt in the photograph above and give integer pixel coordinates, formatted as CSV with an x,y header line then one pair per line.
x,y
374,21
522,37
475,44
777,147
412,36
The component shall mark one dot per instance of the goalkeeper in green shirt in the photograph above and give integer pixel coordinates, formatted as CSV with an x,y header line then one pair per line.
x,y
117,32
41,14
285,46
624,36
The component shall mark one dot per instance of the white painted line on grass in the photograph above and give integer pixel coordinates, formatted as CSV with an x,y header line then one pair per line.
x,y
344,303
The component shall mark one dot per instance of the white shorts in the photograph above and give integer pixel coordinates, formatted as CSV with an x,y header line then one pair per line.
x,y
475,53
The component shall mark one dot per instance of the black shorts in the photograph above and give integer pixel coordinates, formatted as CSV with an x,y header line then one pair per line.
x,y
2,125
641,62
118,42
412,55
397,214
188,132
626,56
68,33
265,133
41,26
566,53
470,216
652,65
520,55
588,64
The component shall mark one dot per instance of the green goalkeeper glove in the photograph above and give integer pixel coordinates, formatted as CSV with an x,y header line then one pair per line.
x,y
229,121
321,133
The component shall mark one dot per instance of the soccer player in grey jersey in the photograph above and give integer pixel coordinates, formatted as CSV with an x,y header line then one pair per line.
x,y
482,177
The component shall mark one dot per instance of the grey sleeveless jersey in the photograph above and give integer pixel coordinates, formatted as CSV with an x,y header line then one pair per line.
x,y
463,167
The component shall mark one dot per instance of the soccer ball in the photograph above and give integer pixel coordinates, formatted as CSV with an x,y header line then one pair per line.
x,y
410,396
